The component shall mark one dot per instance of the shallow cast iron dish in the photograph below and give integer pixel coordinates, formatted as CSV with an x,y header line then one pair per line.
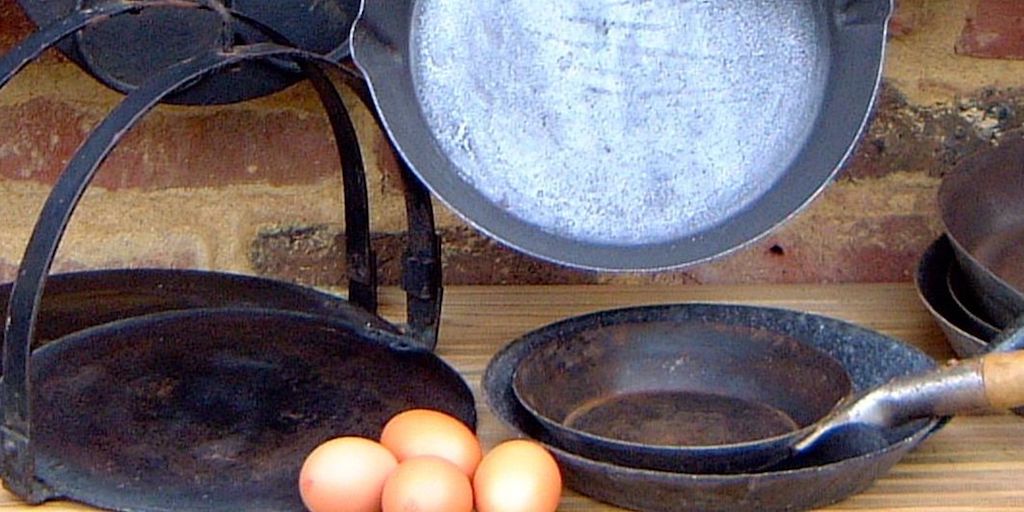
x,y
982,206
708,397
832,471
208,409
631,135
698,396
934,293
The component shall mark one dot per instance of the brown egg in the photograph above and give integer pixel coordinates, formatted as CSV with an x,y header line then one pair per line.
x,y
517,476
427,484
346,474
419,432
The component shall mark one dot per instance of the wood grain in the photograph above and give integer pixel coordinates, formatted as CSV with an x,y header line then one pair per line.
x,y
974,464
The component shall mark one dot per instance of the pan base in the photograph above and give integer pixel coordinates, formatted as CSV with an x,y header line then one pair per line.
x,y
215,410
680,418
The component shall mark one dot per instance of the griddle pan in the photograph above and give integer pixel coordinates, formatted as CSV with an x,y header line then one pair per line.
x,y
839,467
630,135
203,409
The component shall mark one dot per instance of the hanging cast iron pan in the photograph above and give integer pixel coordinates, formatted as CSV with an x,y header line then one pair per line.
x,y
123,53
981,205
963,336
210,409
624,136
76,301
835,469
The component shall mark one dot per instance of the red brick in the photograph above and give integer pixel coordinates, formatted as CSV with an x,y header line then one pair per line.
x,y
213,147
233,146
994,30
884,250
934,138
875,250
155,257
39,137
315,255
904,20
15,25
387,161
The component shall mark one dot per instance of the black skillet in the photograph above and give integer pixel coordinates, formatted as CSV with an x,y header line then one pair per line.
x,y
835,469
204,409
677,390
696,392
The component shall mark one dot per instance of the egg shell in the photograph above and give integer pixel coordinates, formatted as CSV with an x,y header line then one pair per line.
x,y
345,474
517,476
421,432
427,484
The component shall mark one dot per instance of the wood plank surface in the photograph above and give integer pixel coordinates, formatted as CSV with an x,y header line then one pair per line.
x,y
974,464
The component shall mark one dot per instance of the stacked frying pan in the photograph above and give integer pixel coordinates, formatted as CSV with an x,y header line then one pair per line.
x,y
971,278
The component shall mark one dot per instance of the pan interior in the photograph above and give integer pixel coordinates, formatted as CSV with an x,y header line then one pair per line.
x,y
620,123
680,418
1002,253
981,205
670,384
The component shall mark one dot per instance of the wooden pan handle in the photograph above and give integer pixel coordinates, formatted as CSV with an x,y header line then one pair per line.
x,y
1004,379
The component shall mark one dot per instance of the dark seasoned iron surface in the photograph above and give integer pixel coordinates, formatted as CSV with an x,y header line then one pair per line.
x,y
216,409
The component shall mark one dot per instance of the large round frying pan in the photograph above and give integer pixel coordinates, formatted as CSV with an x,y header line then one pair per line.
x,y
629,135
202,409
845,464
982,206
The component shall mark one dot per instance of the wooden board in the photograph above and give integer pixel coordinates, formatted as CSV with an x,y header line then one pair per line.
x,y
974,464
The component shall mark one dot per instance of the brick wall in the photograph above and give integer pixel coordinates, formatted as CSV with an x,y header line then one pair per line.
x,y
254,187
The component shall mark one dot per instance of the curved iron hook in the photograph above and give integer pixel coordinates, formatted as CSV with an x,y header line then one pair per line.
x,y
15,395
421,262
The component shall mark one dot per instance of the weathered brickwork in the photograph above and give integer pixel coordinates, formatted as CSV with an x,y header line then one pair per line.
x,y
254,187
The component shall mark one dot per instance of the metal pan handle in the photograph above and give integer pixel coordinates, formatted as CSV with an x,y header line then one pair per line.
x,y
18,460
